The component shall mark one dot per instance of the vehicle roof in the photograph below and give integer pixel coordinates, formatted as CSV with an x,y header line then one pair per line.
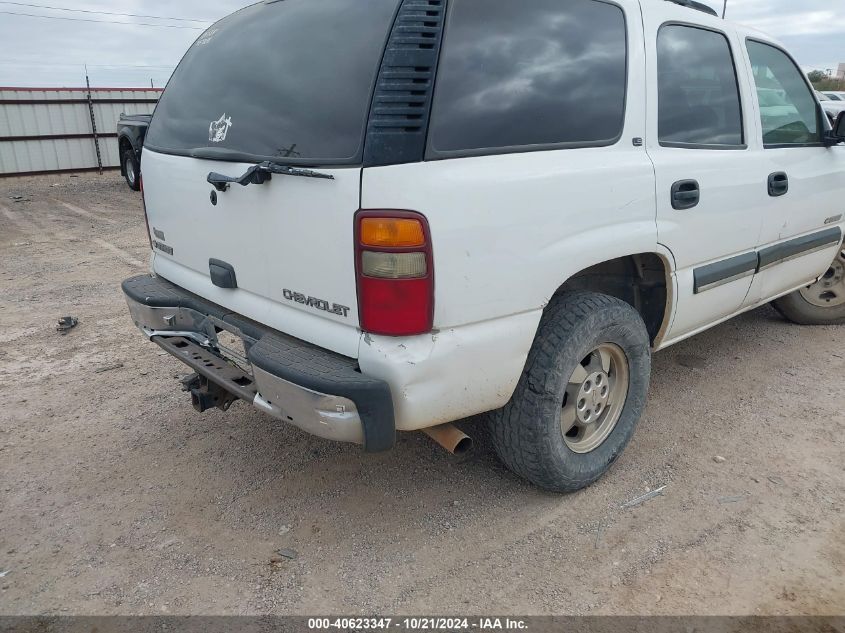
x,y
705,19
748,31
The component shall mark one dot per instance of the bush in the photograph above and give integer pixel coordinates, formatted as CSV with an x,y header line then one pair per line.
x,y
823,83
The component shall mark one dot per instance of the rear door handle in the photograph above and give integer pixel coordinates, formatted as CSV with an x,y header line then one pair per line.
x,y
686,194
778,184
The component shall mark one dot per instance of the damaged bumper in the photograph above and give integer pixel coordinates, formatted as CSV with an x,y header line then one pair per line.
x,y
321,392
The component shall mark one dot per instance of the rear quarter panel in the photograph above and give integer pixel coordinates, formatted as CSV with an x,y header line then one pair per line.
x,y
509,230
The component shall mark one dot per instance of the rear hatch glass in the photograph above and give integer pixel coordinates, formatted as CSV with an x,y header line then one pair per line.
x,y
289,81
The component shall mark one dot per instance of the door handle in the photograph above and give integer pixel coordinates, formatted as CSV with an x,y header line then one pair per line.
x,y
686,194
778,184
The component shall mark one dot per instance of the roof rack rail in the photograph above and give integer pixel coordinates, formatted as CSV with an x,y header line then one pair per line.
x,y
698,6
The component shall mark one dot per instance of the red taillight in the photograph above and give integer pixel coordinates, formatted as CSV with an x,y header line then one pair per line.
x,y
395,268
144,206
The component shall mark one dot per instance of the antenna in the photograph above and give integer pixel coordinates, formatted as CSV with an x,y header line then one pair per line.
x,y
725,9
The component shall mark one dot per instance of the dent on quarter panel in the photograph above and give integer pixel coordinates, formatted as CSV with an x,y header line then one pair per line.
x,y
489,357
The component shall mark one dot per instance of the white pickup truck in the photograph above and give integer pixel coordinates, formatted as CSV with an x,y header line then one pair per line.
x,y
388,215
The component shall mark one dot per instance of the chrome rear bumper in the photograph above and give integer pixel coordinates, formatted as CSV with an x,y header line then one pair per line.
x,y
320,392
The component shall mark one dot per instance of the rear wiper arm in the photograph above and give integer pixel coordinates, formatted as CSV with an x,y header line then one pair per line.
x,y
261,173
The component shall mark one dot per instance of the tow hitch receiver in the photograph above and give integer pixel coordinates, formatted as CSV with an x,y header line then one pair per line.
x,y
206,395
217,382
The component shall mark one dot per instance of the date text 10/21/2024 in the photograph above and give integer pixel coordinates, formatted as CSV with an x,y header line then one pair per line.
x,y
417,624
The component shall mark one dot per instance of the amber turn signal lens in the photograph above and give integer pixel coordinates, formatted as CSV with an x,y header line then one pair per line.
x,y
392,232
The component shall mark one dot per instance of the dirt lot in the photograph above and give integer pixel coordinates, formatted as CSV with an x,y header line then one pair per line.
x,y
117,498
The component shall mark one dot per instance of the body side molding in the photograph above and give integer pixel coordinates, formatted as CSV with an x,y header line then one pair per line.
x,y
798,247
741,266
725,271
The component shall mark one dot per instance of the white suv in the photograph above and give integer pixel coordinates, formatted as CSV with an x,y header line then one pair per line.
x,y
387,215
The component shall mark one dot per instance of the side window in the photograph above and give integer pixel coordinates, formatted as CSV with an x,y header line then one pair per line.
x,y
788,108
529,73
698,92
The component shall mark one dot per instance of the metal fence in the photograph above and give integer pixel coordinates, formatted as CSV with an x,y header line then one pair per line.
x,y
50,130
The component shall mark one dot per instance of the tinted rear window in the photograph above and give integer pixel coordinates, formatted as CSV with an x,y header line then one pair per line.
x,y
288,80
698,98
532,72
797,120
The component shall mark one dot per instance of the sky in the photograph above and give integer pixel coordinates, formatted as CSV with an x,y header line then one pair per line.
x,y
53,52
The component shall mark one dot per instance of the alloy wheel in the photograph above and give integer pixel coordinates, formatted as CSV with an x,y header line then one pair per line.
x,y
594,399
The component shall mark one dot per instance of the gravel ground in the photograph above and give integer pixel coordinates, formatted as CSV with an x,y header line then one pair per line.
x,y
116,497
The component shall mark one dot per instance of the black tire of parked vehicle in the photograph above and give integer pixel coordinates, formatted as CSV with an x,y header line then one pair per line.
x,y
527,432
131,170
797,309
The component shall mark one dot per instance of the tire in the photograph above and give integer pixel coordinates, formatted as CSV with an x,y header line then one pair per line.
x,y
131,170
822,303
528,433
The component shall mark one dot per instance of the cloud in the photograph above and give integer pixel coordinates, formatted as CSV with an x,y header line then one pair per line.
x,y
47,52
813,30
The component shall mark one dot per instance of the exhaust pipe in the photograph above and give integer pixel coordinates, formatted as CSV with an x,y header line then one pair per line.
x,y
451,438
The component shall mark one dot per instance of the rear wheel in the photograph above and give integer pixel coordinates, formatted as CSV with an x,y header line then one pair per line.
x,y
822,303
131,170
581,394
